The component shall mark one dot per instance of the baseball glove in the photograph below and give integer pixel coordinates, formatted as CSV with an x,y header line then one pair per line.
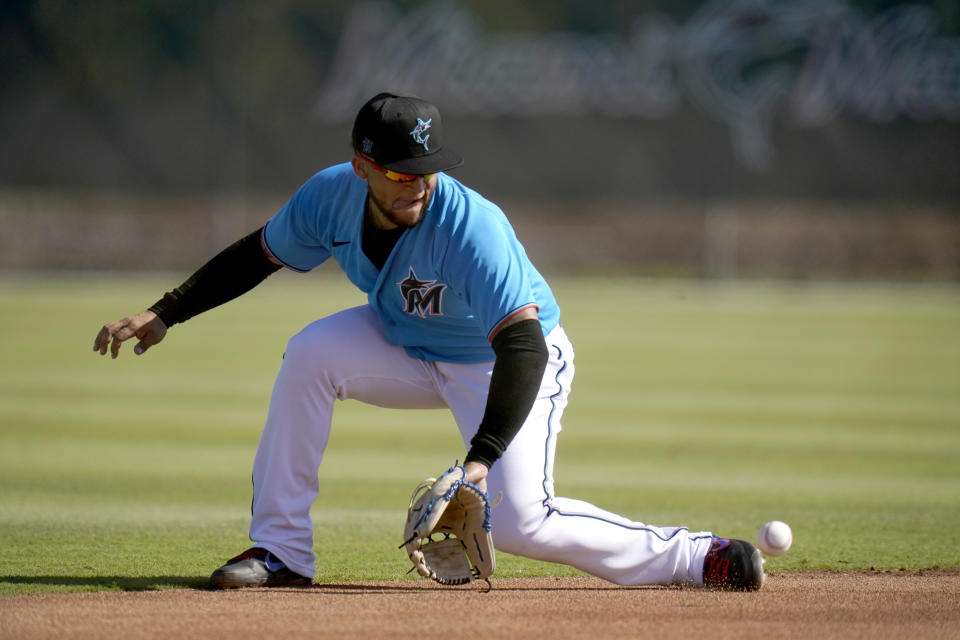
x,y
447,535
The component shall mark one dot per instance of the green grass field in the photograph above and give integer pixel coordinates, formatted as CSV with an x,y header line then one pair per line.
x,y
834,407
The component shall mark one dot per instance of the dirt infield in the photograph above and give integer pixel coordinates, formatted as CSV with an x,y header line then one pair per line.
x,y
874,605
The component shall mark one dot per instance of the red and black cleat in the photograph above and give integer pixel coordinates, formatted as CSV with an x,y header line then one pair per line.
x,y
735,565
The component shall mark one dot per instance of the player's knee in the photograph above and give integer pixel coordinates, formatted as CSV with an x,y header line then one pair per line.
x,y
312,346
297,352
308,357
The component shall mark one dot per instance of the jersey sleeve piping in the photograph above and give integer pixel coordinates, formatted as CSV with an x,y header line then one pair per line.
x,y
513,313
275,257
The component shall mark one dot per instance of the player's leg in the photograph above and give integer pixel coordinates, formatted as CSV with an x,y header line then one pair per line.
x,y
335,358
532,522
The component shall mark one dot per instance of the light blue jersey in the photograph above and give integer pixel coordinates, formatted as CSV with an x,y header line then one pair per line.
x,y
449,282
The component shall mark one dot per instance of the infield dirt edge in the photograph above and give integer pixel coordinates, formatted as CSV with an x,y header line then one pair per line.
x,y
826,604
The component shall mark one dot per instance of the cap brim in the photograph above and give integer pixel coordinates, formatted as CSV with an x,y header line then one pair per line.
x,y
443,160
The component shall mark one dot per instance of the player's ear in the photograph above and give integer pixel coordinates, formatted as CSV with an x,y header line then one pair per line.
x,y
359,167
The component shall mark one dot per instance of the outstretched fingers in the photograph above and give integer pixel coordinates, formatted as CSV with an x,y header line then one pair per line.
x,y
146,326
112,335
102,340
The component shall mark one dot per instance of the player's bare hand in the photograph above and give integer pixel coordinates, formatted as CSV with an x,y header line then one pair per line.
x,y
476,472
145,325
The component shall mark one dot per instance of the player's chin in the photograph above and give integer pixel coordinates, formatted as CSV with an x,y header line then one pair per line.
x,y
408,213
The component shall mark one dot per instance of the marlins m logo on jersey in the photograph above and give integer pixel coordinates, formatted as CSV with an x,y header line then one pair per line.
x,y
422,297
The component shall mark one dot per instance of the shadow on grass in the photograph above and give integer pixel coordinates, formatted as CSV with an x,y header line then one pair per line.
x,y
111,583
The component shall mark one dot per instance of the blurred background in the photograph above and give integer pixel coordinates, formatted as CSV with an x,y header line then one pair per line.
x,y
720,139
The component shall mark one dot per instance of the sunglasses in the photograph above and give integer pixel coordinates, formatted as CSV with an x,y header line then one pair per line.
x,y
396,176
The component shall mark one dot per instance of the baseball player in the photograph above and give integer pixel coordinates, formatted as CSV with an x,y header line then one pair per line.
x,y
457,317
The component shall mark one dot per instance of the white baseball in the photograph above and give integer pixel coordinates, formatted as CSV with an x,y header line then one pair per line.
x,y
775,538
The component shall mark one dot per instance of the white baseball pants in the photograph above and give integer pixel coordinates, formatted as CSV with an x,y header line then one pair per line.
x,y
346,356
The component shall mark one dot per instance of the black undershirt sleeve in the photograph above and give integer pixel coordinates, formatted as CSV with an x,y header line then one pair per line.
x,y
228,275
517,373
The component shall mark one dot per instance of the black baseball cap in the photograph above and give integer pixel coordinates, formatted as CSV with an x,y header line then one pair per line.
x,y
403,133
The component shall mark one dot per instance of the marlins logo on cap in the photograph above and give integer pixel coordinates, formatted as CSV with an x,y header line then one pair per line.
x,y
418,130
404,134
